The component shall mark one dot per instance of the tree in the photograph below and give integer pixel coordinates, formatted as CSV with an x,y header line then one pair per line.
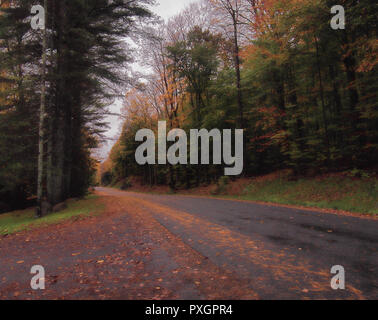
x,y
232,9
85,62
42,111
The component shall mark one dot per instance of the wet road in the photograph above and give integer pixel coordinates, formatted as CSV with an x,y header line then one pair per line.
x,y
280,253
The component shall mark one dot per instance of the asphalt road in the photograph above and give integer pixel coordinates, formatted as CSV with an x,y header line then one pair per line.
x,y
278,252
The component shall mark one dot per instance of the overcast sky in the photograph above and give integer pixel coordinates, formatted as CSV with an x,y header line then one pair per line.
x,y
168,8
165,9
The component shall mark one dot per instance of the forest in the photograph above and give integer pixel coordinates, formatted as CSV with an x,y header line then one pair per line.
x,y
303,92
55,87
188,150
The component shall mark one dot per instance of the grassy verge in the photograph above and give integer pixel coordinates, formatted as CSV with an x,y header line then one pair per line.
x,y
20,220
333,192
339,191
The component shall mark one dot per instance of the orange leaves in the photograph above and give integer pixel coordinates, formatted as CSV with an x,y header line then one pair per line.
x,y
138,106
370,53
269,117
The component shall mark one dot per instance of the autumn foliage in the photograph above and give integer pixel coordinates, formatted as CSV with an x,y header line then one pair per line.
x,y
308,92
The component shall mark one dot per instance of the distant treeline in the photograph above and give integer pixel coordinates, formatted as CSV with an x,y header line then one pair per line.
x,y
305,94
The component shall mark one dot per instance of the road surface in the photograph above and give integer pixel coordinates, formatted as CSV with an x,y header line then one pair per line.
x,y
281,252
204,248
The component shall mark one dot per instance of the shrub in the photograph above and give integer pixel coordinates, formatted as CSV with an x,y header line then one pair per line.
x,y
222,184
126,184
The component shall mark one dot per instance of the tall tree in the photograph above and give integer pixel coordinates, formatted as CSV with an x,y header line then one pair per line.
x,y
41,193
233,9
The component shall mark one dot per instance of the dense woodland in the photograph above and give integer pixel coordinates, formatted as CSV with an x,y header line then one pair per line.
x,y
55,87
304,93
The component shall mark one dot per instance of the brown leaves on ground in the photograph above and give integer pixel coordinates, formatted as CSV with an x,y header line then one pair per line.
x,y
122,254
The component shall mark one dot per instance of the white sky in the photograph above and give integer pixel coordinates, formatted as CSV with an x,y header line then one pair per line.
x,y
165,9
168,8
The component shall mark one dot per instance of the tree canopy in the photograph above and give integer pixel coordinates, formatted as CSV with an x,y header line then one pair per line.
x,y
304,93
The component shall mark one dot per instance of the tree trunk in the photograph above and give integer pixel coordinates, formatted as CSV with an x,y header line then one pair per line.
x,y
240,94
42,210
238,76
325,121
58,192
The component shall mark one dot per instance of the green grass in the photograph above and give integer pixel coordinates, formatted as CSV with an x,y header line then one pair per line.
x,y
20,220
334,192
344,192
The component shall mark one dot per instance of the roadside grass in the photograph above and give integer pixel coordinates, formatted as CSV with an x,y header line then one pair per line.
x,y
338,191
332,192
17,221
